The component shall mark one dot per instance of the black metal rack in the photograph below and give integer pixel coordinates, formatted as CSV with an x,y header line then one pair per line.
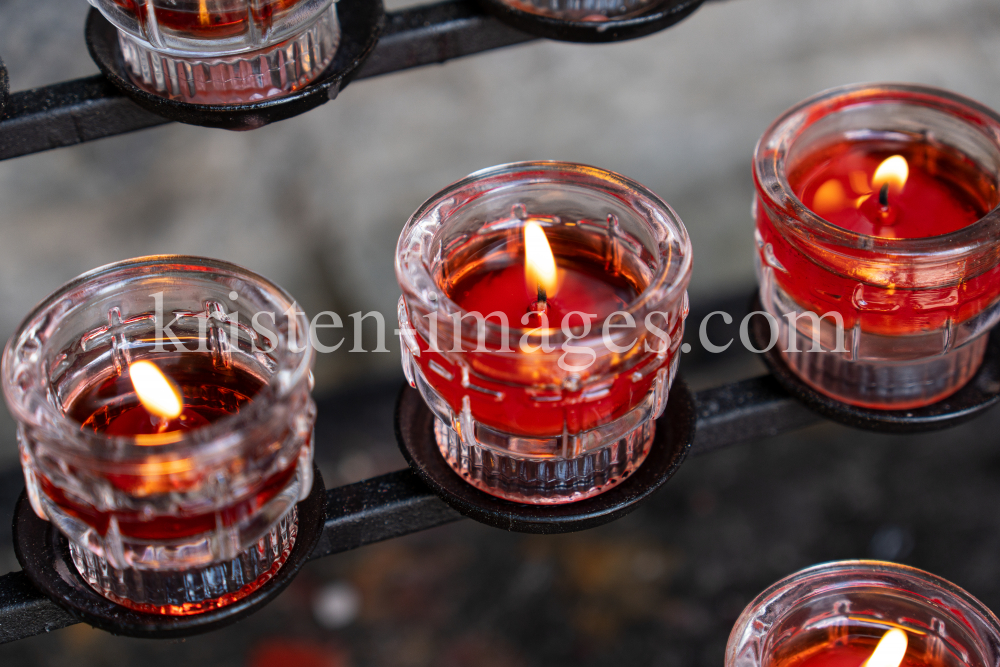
x,y
401,502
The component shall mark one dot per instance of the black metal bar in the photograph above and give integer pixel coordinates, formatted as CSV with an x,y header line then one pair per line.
x,y
435,33
379,509
66,114
25,612
70,113
398,503
745,411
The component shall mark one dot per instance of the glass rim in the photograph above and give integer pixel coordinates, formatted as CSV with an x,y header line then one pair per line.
x,y
863,573
771,150
669,227
291,368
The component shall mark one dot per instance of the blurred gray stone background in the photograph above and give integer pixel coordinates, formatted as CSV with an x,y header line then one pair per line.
x,y
316,203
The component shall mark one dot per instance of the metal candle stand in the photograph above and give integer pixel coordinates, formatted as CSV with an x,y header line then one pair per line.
x,y
48,594
361,23
674,435
43,552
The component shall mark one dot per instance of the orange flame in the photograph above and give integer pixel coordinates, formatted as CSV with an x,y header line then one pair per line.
x,y
890,650
892,172
539,264
155,391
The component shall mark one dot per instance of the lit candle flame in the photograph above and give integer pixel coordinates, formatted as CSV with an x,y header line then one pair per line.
x,y
892,172
539,264
890,650
156,393
203,12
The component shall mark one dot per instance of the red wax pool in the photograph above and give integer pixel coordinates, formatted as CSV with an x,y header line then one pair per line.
x,y
943,192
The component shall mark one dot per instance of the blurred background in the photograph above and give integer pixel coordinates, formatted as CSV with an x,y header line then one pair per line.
x,y
316,204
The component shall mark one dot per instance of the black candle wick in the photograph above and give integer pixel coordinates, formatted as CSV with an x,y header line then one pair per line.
x,y
541,296
883,196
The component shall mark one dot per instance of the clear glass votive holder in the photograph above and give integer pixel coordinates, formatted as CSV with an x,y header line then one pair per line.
x,y
544,425
178,516
914,312
224,51
837,613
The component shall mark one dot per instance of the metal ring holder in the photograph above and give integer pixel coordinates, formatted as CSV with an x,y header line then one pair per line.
x,y
361,24
658,16
979,395
673,438
43,552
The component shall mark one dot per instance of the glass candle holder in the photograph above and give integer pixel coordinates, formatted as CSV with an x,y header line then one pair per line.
x,y
224,51
836,614
542,310
584,10
877,235
165,428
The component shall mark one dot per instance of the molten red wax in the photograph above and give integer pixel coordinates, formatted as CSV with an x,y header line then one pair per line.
x,y
112,407
185,16
944,193
930,203
851,653
540,409
580,288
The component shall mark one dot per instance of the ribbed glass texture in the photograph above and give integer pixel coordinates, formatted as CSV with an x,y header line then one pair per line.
x,y
835,604
878,321
224,51
531,427
215,504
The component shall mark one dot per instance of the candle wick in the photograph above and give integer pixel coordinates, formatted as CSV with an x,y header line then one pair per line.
x,y
541,296
883,196
161,424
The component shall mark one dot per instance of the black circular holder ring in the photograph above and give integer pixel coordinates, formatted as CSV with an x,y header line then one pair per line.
x,y
980,394
43,553
361,24
674,434
659,15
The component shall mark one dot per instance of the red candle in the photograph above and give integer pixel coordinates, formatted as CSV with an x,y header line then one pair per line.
x,y
893,189
223,51
579,287
937,191
156,409
152,403
206,19
876,210
162,436
859,646
864,614
541,319
508,282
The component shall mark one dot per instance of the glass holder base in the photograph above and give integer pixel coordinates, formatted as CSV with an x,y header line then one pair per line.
x,y
980,393
44,554
195,590
361,22
673,437
244,77
545,481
